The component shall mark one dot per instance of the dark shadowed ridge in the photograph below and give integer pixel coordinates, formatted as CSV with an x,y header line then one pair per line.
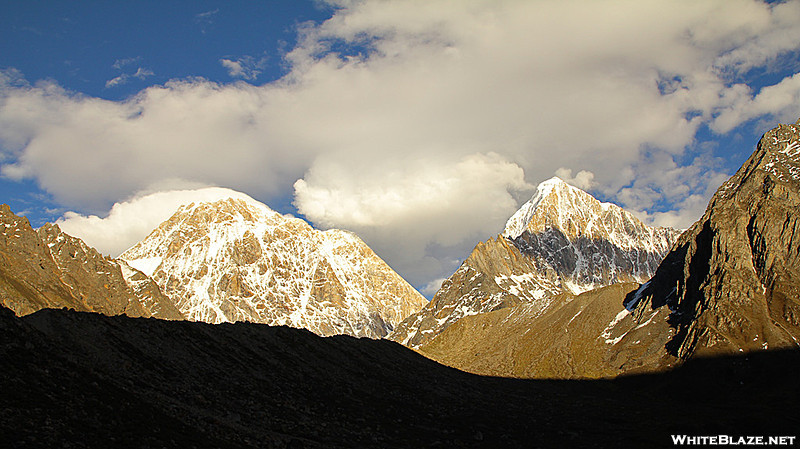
x,y
77,379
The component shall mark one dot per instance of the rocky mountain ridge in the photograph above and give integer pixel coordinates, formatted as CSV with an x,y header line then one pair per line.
x,y
47,268
732,282
561,241
587,242
237,260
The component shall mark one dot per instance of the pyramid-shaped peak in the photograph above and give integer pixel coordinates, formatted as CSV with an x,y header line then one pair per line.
x,y
554,192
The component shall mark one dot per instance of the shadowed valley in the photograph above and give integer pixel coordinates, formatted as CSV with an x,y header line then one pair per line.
x,y
87,380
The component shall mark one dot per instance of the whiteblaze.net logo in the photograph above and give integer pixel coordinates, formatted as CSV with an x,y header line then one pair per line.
x,y
728,440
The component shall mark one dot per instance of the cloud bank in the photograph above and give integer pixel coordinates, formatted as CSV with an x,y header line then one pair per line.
x,y
422,125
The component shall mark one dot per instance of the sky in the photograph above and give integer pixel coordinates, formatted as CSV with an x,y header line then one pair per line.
x,y
419,125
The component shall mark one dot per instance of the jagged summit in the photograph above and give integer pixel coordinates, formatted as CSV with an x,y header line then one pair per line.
x,y
561,241
47,268
235,259
587,242
575,213
518,222
554,186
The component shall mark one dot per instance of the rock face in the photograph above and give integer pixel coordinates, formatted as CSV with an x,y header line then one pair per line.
x,y
238,260
733,280
730,284
561,241
46,268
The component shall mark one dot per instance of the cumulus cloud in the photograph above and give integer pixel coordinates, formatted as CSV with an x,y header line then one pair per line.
x,y
781,101
130,221
432,287
665,193
420,124
756,34
89,152
415,203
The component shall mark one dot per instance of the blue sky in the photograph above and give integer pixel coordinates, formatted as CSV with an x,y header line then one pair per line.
x,y
420,125
84,46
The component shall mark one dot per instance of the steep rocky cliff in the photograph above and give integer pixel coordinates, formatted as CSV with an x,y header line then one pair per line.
x,y
561,241
238,260
46,268
733,280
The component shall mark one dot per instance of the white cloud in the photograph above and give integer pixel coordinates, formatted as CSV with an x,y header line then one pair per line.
x,y
90,153
414,204
120,63
756,34
141,73
234,67
441,109
245,67
432,287
781,101
583,180
130,221
660,181
206,19
117,80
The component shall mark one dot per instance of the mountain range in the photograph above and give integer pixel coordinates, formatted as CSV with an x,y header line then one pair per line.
x,y
182,340
223,261
561,241
730,284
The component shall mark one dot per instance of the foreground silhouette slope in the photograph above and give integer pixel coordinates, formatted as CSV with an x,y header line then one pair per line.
x,y
87,380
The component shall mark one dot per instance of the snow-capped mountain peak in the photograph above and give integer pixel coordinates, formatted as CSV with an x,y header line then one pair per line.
x,y
561,241
558,204
235,259
518,222
576,214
